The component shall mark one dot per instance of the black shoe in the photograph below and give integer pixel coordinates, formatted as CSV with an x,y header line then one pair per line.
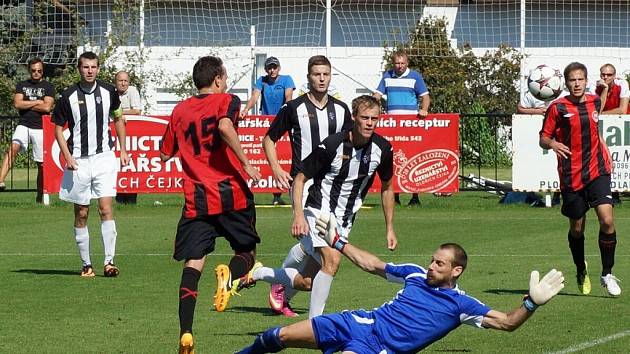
x,y
397,200
414,202
278,201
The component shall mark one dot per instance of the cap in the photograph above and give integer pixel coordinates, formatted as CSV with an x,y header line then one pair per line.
x,y
272,61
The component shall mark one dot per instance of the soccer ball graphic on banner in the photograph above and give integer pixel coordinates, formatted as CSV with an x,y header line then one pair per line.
x,y
545,83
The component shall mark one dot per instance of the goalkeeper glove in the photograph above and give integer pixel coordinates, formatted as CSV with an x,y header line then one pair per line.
x,y
326,224
540,292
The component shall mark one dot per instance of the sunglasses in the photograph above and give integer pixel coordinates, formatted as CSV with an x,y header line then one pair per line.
x,y
37,71
605,75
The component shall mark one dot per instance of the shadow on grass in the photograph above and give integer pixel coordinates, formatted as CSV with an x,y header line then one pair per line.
x,y
47,271
265,311
453,350
525,292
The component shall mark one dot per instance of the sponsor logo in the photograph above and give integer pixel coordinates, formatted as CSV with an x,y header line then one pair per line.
x,y
98,100
595,116
426,172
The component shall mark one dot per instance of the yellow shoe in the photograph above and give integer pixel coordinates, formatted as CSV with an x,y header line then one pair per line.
x,y
584,282
222,295
245,282
186,344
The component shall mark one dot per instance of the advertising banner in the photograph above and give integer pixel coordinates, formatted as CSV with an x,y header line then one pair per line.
x,y
426,154
535,169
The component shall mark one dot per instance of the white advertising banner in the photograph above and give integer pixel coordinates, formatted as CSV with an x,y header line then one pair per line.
x,y
535,169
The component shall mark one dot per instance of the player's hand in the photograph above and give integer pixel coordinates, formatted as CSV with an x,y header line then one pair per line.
x,y
422,114
392,241
326,225
542,291
299,227
72,164
282,178
253,173
561,150
124,158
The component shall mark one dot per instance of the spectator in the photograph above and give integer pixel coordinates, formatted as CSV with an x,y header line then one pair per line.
x,y
130,104
403,87
570,129
32,99
276,91
91,166
616,102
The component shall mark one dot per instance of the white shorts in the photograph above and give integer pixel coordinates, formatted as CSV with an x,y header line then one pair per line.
x,y
95,178
23,135
312,241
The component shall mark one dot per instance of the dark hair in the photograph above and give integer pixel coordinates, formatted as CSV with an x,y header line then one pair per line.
x,y
459,255
206,69
318,60
88,56
35,61
364,101
572,67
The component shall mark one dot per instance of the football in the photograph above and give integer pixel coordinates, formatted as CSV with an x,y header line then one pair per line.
x,y
545,83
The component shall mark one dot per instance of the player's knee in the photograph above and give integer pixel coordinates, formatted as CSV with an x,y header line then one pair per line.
x,y
106,212
607,223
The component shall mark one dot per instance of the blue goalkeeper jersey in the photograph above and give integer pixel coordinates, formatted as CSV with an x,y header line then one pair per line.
x,y
420,314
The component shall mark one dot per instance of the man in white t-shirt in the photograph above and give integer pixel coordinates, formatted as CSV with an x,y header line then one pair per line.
x,y
130,103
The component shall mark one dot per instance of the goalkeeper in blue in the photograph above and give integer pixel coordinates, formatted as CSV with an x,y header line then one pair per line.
x,y
428,307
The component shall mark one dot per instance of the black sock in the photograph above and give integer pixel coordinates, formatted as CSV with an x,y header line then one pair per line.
x,y
607,245
240,264
188,298
577,251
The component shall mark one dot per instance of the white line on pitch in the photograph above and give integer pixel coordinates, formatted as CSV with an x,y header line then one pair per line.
x,y
589,344
384,255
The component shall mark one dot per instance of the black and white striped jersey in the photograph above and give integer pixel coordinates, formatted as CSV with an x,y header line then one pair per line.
x,y
87,115
342,173
308,126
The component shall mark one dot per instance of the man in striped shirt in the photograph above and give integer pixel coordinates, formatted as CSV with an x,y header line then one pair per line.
x,y
584,166
91,166
404,88
308,119
342,168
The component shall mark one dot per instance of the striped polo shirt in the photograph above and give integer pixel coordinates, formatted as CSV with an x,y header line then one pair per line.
x,y
402,91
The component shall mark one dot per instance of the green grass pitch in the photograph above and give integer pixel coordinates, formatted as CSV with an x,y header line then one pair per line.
x,y
47,308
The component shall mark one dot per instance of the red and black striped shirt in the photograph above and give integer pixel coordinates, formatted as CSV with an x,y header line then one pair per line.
x,y
214,180
575,125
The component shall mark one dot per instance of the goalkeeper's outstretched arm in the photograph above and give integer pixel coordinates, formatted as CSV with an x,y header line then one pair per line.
x,y
364,260
540,292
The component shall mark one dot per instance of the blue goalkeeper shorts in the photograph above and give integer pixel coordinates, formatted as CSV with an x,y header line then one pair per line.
x,y
347,331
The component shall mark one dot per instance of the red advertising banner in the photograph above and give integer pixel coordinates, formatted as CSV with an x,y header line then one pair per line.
x,y
426,154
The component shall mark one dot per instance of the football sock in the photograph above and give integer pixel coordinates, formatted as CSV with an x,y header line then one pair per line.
x,y
319,293
607,245
240,264
266,342
82,236
289,293
108,230
188,298
282,276
294,257
577,251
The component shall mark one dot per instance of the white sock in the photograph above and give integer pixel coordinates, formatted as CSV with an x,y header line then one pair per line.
x,y
295,257
282,276
108,230
319,293
82,237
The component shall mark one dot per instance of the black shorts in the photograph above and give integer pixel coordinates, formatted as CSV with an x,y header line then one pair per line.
x,y
196,237
576,204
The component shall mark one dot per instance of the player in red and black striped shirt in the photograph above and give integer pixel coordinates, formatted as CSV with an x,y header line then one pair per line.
x,y
584,166
218,201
